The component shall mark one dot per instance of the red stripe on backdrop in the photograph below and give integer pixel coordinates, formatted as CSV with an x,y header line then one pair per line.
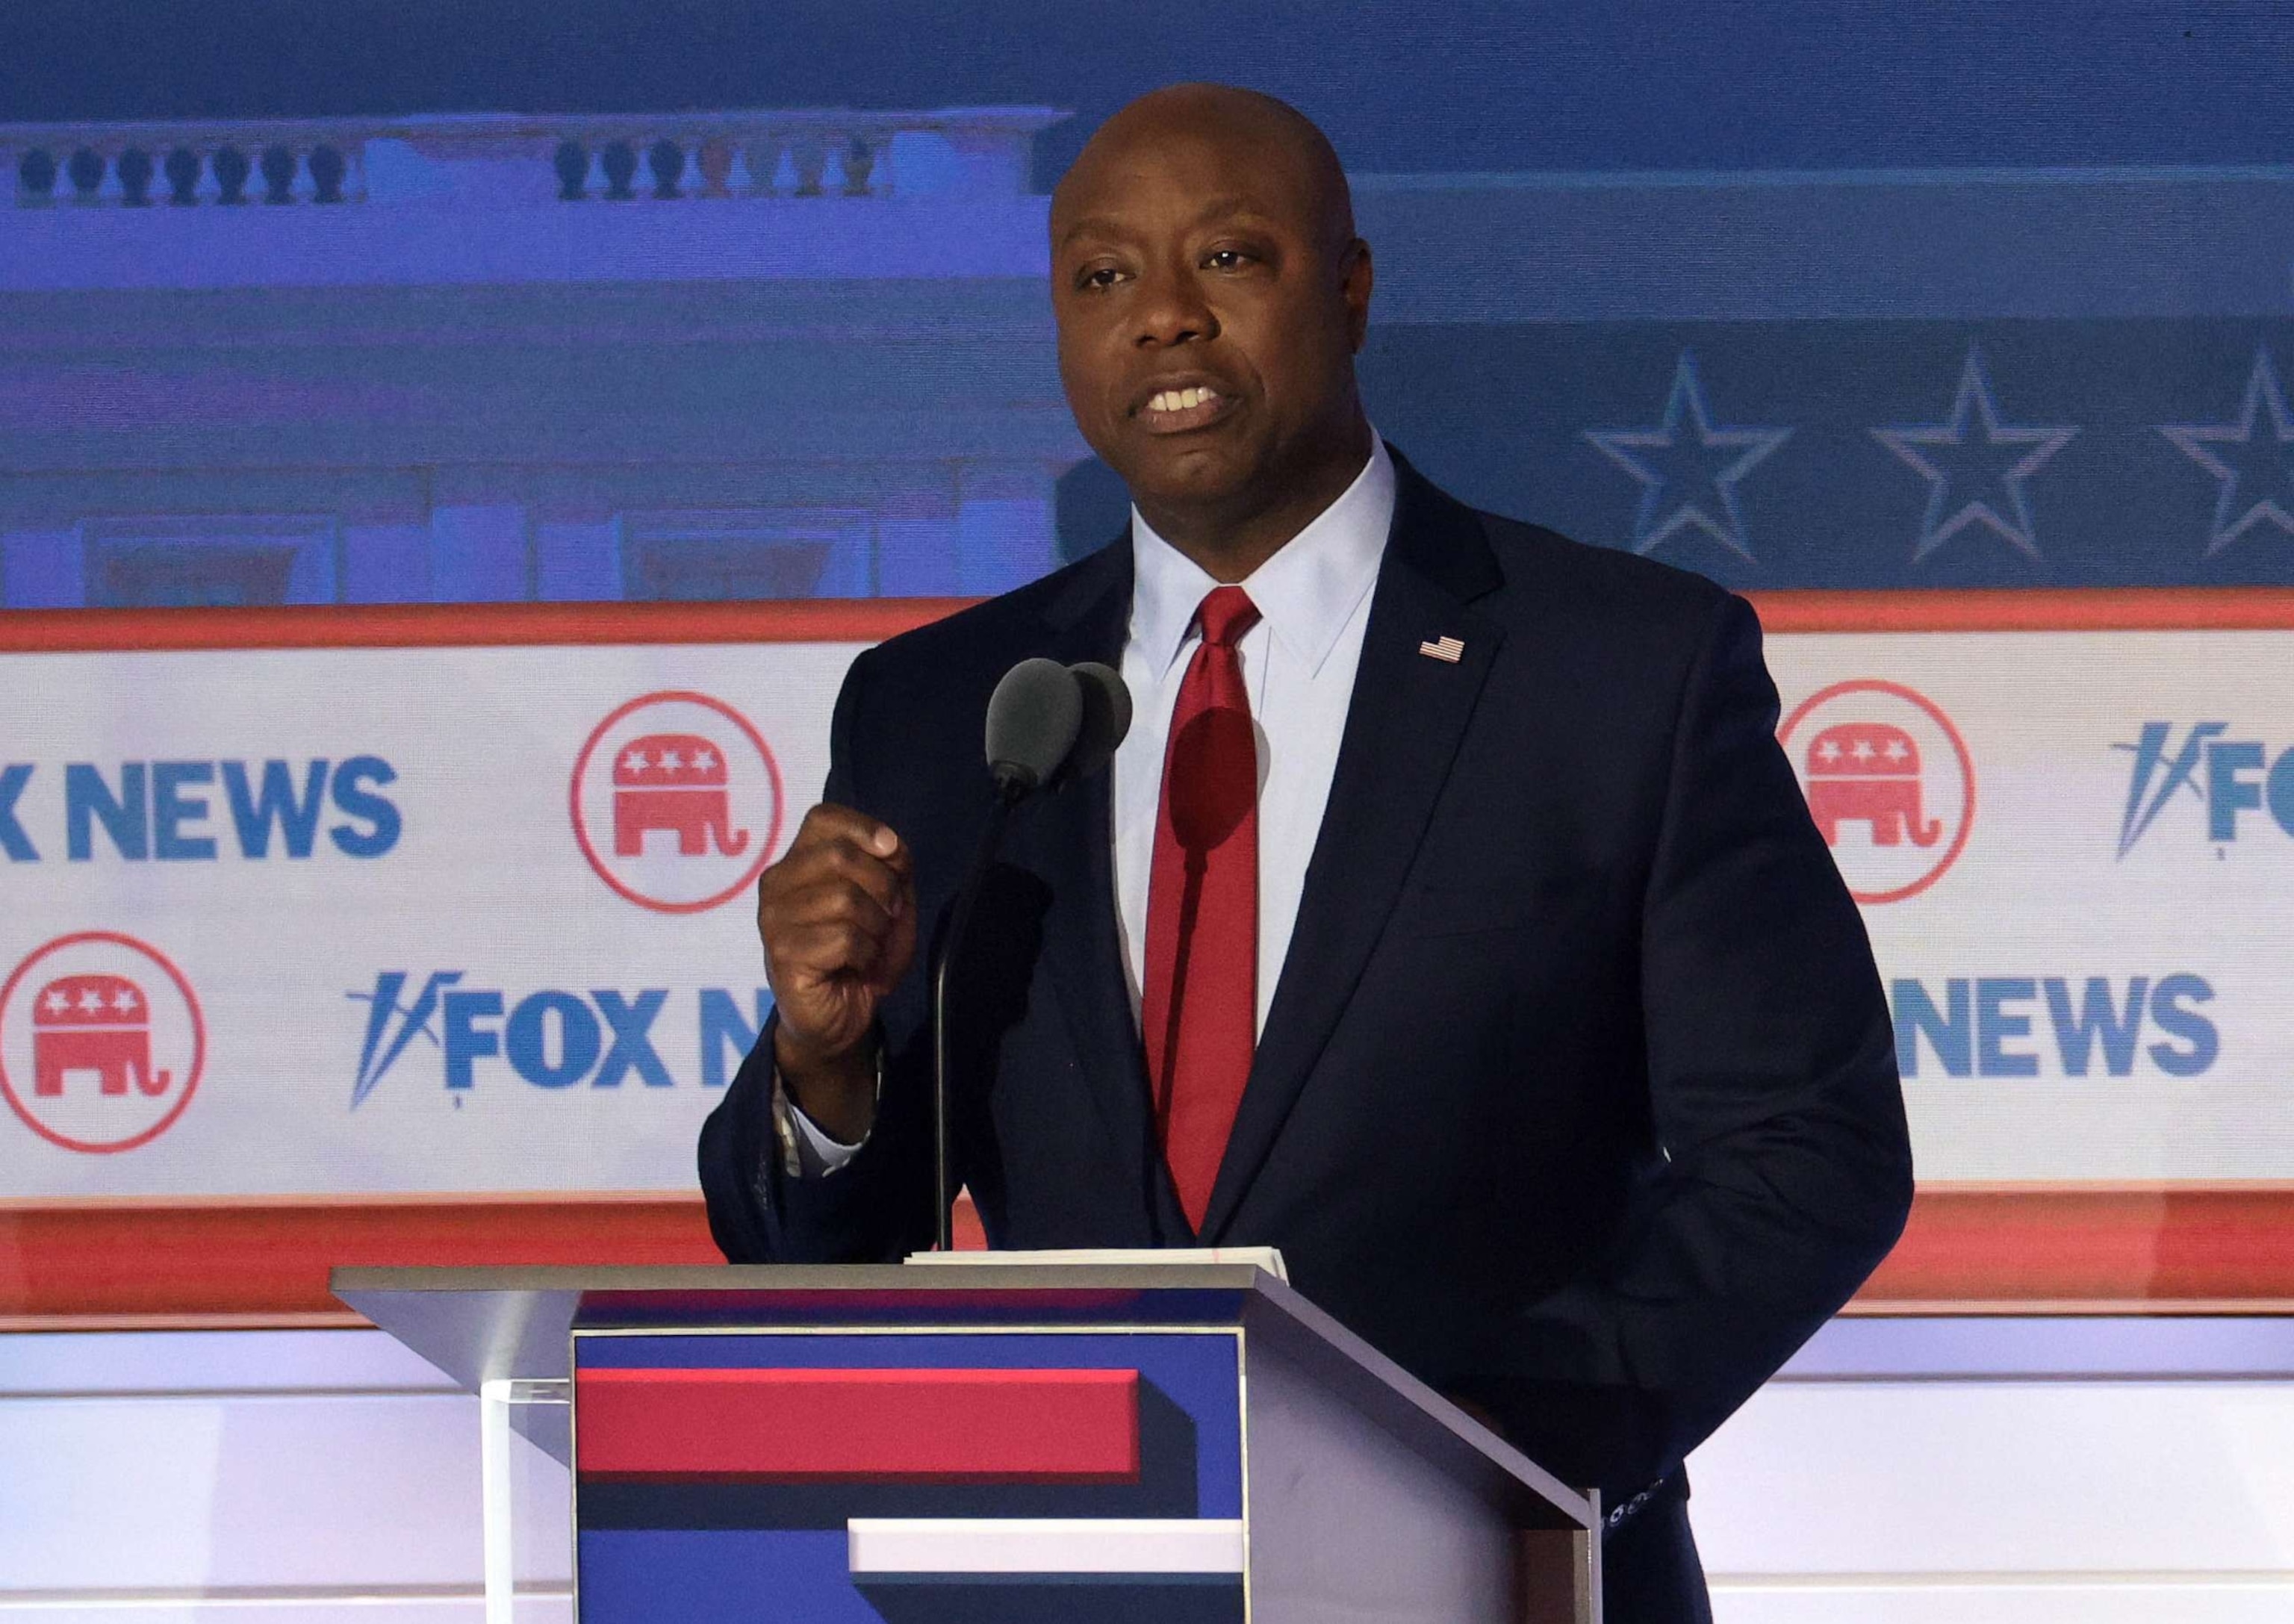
x,y
2028,609
159,1260
263,1260
873,620
1969,1248
2029,1247
793,1427
860,620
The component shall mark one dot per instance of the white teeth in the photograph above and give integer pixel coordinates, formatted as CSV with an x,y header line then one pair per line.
x,y
1181,399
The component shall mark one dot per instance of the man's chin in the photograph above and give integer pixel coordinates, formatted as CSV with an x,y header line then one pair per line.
x,y
1205,478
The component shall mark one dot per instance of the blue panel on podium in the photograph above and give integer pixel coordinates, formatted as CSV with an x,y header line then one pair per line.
x,y
815,1498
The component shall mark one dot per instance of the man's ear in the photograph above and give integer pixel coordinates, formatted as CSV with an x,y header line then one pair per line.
x,y
1355,280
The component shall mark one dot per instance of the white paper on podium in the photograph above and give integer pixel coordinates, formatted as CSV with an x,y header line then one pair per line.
x,y
1173,1257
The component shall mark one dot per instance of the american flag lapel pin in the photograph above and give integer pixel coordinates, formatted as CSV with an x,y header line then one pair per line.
x,y
1443,648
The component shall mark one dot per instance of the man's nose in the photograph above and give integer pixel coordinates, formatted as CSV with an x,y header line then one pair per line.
x,y
1172,311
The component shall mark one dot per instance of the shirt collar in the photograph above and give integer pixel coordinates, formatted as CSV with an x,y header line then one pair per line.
x,y
1306,593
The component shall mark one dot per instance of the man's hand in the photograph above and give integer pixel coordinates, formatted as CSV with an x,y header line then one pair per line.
x,y
837,915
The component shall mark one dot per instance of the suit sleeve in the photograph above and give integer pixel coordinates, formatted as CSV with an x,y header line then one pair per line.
x,y
1787,1173
866,1211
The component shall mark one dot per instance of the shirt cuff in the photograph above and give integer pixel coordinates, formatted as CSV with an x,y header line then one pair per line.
x,y
805,1150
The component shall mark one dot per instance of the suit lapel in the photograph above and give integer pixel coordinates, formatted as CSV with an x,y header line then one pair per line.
x,y
1072,841
1408,713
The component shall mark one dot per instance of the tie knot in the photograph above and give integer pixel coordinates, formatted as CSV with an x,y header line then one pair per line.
x,y
1227,612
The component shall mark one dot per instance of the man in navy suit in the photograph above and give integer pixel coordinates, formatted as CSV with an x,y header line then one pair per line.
x,y
1450,919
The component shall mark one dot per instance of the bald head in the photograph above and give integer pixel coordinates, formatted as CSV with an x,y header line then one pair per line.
x,y
1260,133
1211,295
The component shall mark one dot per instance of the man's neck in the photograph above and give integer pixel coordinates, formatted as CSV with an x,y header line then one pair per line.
x,y
1228,545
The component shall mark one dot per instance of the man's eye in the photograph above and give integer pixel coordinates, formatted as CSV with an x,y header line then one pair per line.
x,y
1104,276
1224,259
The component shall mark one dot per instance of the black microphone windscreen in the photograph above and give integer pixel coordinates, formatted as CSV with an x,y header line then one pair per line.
x,y
1033,718
1106,717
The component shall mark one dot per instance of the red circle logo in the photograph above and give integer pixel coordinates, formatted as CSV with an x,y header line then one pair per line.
x,y
101,1042
1889,781
676,801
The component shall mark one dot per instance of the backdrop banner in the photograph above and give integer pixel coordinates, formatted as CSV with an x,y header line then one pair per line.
x,y
2075,853
389,920
378,920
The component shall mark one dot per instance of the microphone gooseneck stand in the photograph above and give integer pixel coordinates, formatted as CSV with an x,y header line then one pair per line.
x,y
1044,720
1012,786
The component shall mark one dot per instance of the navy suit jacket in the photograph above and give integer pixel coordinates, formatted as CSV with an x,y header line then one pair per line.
x,y
1577,1095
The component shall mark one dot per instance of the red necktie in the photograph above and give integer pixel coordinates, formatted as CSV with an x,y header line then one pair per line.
x,y
1200,1003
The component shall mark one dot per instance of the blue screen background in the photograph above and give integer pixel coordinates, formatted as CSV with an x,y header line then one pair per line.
x,y
1796,295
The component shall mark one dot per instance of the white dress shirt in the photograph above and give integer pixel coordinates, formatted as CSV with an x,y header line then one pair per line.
x,y
1298,664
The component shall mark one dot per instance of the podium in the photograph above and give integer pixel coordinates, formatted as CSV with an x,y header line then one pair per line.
x,y
1021,1443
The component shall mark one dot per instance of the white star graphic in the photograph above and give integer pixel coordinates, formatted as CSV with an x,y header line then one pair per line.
x,y
634,761
1665,457
1829,750
57,1002
1861,750
2266,463
1896,750
703,760
670,760
125,1001
91,1000
1936,450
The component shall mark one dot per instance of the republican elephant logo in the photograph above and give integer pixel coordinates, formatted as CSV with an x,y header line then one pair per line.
x,y
674,782
101,1042
97,1023
676,801
1890,782
1869,773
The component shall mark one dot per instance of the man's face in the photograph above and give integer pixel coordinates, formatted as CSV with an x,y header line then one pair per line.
x,y
1208,323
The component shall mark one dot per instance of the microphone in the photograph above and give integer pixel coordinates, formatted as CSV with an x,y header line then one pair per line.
x,y
1034,717
1106,718
1048,725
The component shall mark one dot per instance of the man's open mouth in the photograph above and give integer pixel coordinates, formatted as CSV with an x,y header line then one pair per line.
x,y
1175,410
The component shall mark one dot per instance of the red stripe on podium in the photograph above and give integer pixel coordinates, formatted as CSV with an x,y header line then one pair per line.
x,y
1040,1427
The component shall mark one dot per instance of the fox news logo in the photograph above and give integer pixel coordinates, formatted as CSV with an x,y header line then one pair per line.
x,y
2055,1025
551,1038
2231,778
194,811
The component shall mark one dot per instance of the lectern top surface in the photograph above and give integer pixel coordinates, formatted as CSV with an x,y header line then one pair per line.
x,y
985,1276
